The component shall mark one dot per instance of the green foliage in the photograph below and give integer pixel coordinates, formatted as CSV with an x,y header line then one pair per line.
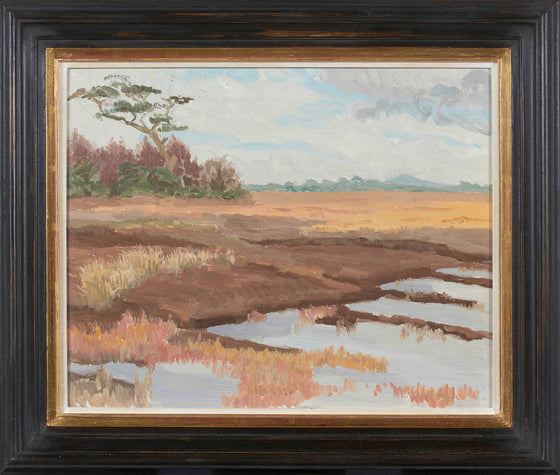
x,y
83,180
133,180
96,92
198,192
164,182
102,91
125,106
235,194
159,119
138,180
311,185
158,181
137,89
180,99
165,127
121,100
359,184
194,192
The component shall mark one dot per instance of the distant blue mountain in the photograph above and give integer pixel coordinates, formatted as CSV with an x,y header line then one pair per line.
x,y
400,183
407,180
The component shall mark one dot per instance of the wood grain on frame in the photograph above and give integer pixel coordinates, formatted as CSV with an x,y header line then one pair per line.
x,y
501,57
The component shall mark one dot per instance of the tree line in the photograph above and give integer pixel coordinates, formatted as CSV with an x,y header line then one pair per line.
x,y
118,170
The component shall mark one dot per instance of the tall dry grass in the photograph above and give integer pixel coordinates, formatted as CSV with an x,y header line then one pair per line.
x,y
421,332
267,378
101,282
443,396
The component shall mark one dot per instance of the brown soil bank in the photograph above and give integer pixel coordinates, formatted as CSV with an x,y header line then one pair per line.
x,y
269,278
349,318
291,249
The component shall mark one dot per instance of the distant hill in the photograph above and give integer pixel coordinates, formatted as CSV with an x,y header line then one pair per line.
x,y
407,180
400,183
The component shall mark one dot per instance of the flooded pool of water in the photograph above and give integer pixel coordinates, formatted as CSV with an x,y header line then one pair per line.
x,y
478,293
428,360
174,385
465,272
450,314
432,362
124,371
193,385
415,357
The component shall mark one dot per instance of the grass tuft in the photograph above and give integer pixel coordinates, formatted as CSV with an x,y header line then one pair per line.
x,y
102,282
443,396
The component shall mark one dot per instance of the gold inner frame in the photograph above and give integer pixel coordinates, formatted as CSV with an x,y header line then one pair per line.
x,y
55,197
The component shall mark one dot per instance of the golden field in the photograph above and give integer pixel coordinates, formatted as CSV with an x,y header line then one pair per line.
x,y
320,211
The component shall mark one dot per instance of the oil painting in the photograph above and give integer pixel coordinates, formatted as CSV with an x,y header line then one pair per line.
x,y
289,237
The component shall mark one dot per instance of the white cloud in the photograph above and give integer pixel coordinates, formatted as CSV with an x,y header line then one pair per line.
x,y
248,115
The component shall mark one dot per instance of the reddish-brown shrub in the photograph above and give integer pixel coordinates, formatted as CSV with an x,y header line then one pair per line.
x,y
185,166
78,148
148,154
220,176
109,158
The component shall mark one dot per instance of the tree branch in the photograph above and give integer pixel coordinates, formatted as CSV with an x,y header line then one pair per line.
x,y
169,108
118,117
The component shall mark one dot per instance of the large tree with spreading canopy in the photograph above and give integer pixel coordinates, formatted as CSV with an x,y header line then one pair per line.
x,y
138,106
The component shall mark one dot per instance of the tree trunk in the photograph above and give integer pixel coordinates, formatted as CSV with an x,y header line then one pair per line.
x,y
170,160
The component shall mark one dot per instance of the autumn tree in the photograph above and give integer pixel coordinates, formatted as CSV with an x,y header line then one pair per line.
x,y
186,167
148,155
219,176
109,159
79,148
138,106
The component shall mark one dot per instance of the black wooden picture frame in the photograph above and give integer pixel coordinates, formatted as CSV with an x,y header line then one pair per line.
x,y
530,29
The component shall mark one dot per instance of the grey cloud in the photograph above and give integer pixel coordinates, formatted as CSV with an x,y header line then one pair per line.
x,y
463,100
382,107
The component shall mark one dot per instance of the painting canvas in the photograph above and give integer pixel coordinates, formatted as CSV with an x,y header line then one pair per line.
x,y
279,238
